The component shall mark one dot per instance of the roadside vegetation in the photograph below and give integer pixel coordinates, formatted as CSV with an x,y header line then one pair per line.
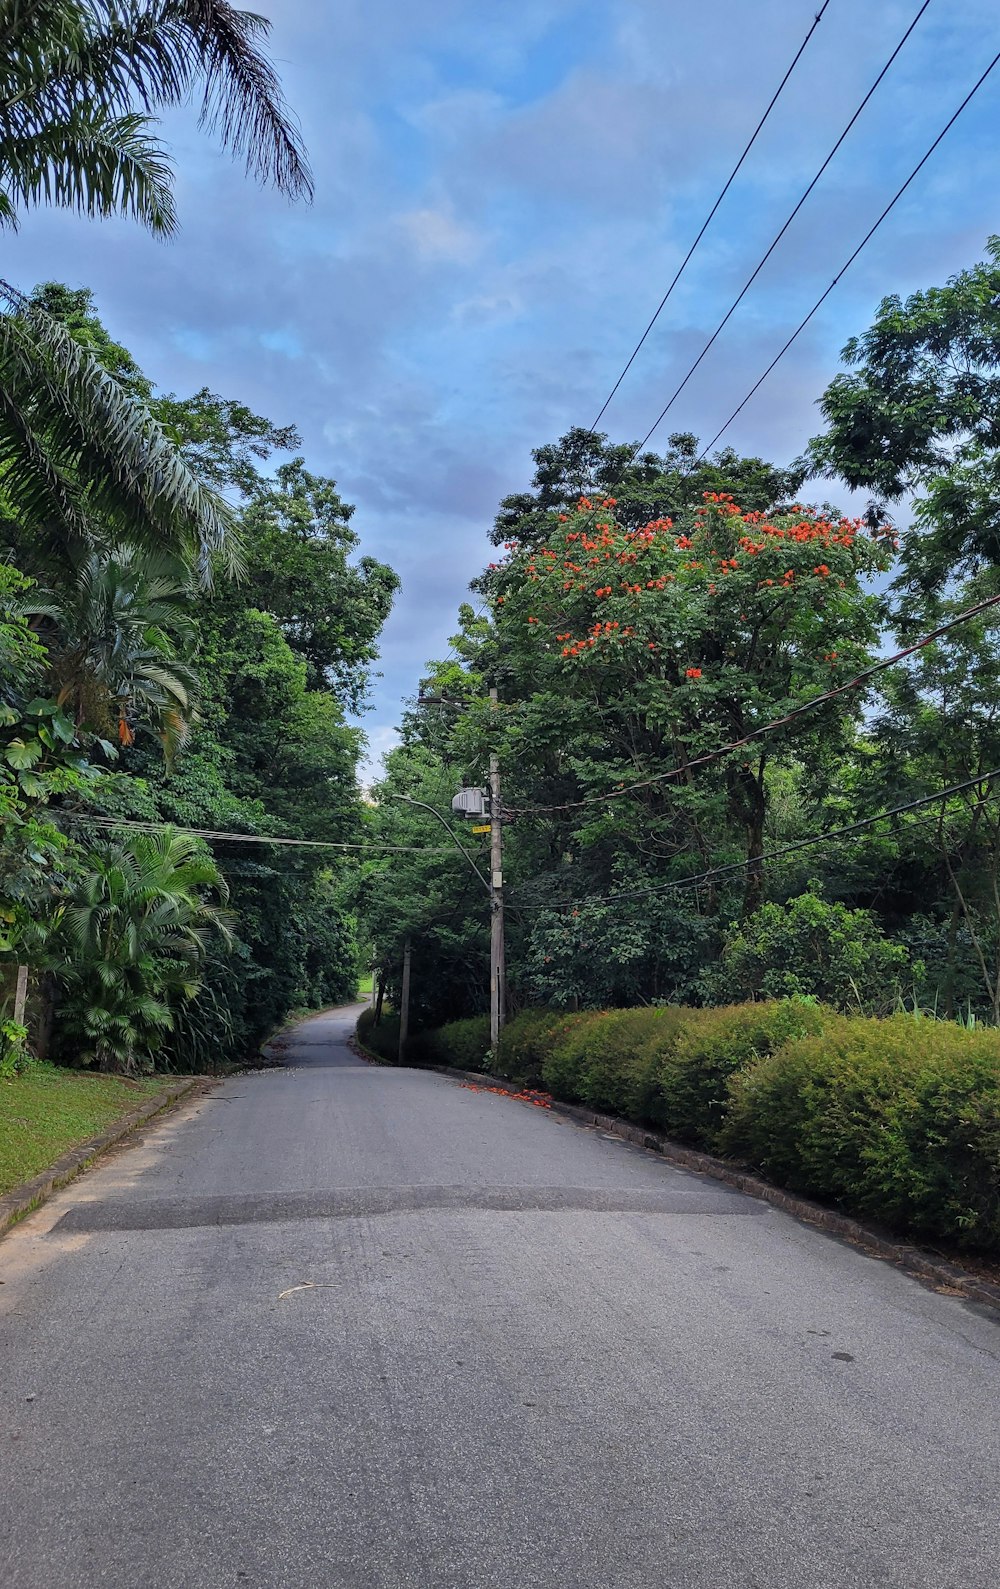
x,y
643,614
185,625
752,877
48,1111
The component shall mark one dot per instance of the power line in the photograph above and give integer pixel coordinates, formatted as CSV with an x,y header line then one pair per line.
x,y
778,854
908,651
777,722
845,267
634,453
246,838
711,214
777,239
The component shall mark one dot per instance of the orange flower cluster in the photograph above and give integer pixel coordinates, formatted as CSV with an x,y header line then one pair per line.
x,y
723,539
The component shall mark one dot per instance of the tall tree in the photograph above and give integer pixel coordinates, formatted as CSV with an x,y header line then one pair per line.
x,y
918,411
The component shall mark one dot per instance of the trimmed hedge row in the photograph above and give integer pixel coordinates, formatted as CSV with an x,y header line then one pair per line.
x,y
464,1044
382,1039
896,1119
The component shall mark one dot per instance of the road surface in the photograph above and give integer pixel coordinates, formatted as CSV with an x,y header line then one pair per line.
x,y
338,1325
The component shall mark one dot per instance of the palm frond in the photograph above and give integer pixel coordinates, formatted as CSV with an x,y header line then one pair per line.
x,y
113,55
243,100
75,444
96,163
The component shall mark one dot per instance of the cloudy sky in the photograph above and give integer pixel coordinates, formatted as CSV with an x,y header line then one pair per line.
x,y
503,192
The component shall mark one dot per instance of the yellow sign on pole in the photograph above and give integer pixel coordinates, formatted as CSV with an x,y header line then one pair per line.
x,y
482,828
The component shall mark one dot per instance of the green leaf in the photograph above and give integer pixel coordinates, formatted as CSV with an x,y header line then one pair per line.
x,y
64,727
8,716
32,784
40,708
20,753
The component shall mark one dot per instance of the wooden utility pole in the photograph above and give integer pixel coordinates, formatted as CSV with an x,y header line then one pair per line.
x,y
404,1002
497,967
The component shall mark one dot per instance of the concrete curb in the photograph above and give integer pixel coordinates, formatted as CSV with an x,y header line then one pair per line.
x,y
936,1272
24,1199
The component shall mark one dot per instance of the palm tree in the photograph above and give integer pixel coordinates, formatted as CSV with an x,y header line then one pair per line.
x,y
79,81
135,934
117,644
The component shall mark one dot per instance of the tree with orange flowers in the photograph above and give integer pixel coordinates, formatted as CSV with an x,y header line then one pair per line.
x,y
677,636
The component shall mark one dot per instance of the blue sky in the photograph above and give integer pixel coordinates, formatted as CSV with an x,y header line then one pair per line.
x,y
503,193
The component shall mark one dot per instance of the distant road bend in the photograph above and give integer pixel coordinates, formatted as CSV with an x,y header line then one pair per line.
x,y
338,1325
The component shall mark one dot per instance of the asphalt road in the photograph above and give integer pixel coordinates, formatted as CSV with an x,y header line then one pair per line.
x,y
339,1325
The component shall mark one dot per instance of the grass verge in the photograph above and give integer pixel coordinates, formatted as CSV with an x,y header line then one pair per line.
x,y
50,1110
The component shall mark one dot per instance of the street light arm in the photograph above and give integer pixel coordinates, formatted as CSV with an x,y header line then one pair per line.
x,y
449,830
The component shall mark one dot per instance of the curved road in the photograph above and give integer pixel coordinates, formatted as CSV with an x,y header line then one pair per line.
x,y
338,1325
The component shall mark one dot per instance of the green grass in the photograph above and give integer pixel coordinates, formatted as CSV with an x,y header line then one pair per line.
x,y
365,987
49,1111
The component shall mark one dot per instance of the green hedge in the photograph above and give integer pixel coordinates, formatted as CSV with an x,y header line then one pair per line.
x,y
382,1039
463,1044
897,1119
610,1059
525,1042
690,1092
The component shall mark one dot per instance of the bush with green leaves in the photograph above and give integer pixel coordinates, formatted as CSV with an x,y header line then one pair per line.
x,y
525,1042
898,1120
380,1037
690,1089
465,1045
131,944
15,1056
825,951
620,1056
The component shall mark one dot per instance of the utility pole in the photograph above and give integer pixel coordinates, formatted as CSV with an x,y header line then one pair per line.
x,y
497,967
498,979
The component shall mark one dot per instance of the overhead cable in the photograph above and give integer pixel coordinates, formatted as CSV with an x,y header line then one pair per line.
x,y
778,854
767,728
244,838
847,264
776,240
711,214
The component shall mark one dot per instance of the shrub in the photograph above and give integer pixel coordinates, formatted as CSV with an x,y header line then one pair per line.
x,y
462,1044
621,1057
897,1119
821,950
691,1083
563,1065
382,1039
15,1056
524,1043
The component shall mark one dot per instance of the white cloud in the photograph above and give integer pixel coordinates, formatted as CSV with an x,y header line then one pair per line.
x,y
438,236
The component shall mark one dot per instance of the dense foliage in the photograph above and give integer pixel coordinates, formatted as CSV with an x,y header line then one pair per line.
x,y
181,634
148,687
645,624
